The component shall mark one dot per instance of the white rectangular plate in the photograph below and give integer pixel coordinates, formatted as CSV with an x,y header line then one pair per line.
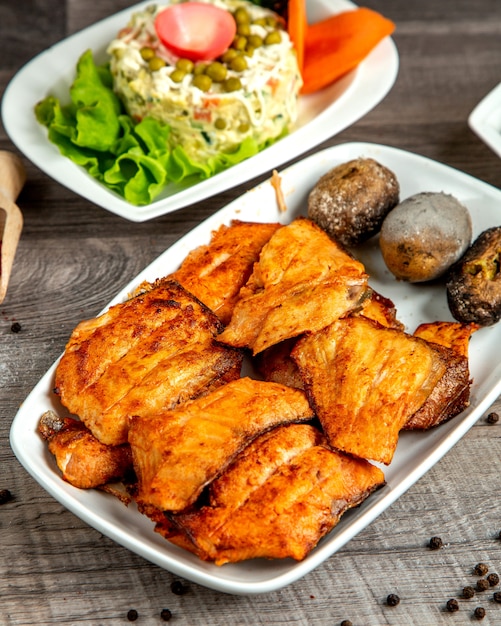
x,y
321,115
485,120
416,452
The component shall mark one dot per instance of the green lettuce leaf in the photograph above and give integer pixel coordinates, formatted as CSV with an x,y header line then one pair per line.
x,y
135,160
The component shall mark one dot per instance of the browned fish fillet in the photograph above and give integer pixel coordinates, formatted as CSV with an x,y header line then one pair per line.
x,y
283,493
380,309
365,381
302,282
148,354
177,453
275,364
84,461
215,273
451,394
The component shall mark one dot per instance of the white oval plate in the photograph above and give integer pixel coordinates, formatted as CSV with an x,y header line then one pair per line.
x,y
485,120
321,115
416,452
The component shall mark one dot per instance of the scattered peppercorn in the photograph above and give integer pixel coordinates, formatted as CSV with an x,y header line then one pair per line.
x,y
392,599
435,543
492,417
497,597
346,622
481,569
16,327
178,588
493,579
132,615
479,612
452,605
5,496
482,584
165,615
468,592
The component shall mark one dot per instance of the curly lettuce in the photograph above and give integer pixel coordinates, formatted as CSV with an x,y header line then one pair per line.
x,y
134,159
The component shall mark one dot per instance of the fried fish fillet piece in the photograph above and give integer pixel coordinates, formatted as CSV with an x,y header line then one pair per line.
x,y
281,495
177,453
451,394
380,309
84,461
302,282
150,353
215,273
365,381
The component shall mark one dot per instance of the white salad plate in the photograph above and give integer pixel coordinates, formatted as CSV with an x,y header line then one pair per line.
x,y
485,120
321,115
416,452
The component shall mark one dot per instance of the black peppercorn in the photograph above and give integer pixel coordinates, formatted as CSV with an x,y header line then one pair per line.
x,y
165,615
497,597
492,418
132,615
16,327
479,612
392,599
178,588
435,543
468,592
493,579
481,569
452,605
482,584
5,496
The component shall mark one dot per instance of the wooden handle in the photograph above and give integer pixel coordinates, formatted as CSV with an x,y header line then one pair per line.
x,y
12,175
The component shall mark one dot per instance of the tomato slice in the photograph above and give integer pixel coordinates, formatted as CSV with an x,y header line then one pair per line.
x,y
195,30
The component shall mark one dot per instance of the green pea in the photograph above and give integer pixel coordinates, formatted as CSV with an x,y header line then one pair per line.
x,y
229,55
243,127
147,53
243,30
177,75
156,63
239,43
220,123
241,16
202,82
217,71
238,64
232,84
186,65
199,68
260,21
272,38
255,41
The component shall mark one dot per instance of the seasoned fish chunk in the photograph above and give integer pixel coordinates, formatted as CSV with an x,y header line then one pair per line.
x,y
177,453
302,282
214,273
147,354
451,394
282,494
365,381
84,461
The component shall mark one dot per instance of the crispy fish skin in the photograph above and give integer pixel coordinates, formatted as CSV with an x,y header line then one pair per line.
x,y
365,381
215,273
177,453
149,353
84,461
302,282
451,394
282,494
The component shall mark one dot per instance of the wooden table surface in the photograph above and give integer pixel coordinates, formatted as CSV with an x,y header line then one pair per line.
x,y
72,259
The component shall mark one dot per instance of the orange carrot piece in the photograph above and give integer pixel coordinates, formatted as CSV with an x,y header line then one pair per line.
x,y
336,45
296,27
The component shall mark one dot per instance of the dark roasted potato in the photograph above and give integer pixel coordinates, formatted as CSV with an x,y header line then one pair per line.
x,y
474,282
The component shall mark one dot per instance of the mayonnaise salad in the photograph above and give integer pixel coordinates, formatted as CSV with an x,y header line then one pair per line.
x,y
256,96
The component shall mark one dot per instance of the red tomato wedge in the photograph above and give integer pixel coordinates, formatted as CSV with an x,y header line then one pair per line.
x,y
195,30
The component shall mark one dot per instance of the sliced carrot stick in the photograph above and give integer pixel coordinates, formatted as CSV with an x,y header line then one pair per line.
x,y
336,45
296,27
